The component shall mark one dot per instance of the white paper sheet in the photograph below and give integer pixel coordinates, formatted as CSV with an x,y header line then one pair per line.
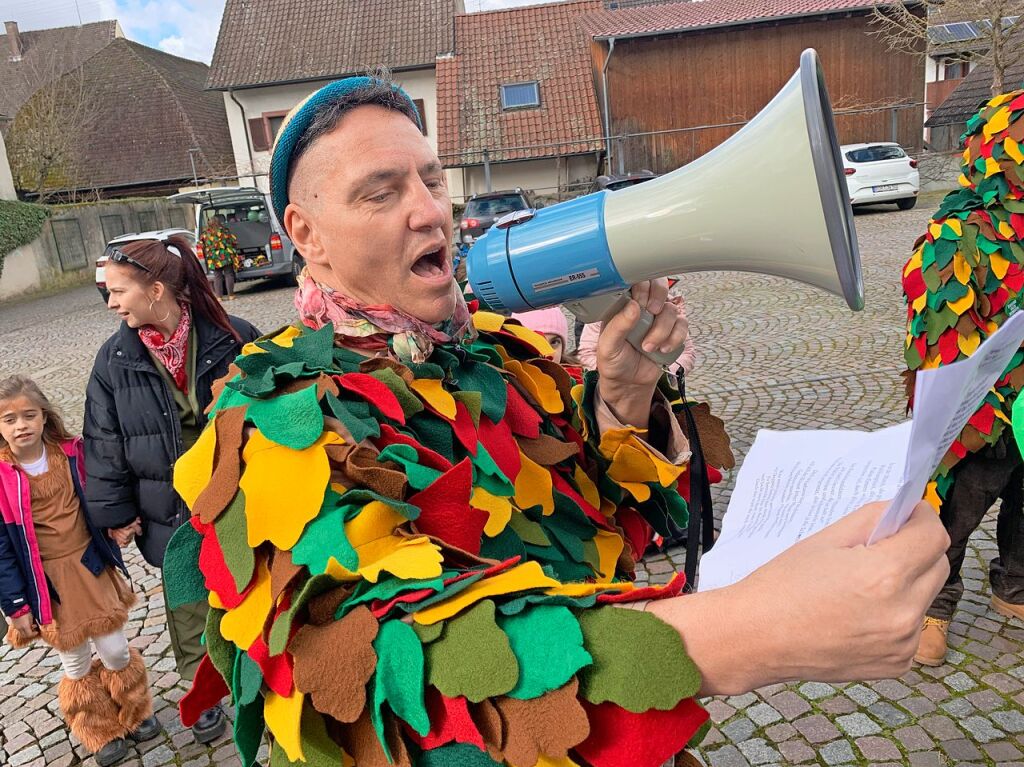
x,y
794,483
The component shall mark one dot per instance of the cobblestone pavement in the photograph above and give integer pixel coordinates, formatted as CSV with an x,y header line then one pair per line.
x,y
771,354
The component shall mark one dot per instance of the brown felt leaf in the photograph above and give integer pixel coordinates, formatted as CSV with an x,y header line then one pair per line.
x,y
488,721
686,759
549,725
359,740
323,607
563,381
714,439
546,450
361,469
380,363
336,681
282,572
227,466
324,383
220,383
972,439
1016,378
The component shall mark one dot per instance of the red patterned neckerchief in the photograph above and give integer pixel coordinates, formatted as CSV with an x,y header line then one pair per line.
x,y
173,352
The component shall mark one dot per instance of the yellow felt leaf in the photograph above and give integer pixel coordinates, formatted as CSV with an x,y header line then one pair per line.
x,y
488,322
550,761
193,470
1003,417
528,575
243,624
914,263
969,344
407,558
955,225
999,100
214,601
539,384
961,268
433,393
999,265
638,490
532,337
935,230
963,180
1012,148
499,510
991,167
586,589
277,508
931,361
283,717
931,494
609,546
962,305
587,488
284,339
1006,230
376,520
997,123
534,486
920,303
632,465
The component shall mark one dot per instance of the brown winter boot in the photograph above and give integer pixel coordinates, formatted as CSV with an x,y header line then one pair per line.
x,y
931,649
129,690
89,711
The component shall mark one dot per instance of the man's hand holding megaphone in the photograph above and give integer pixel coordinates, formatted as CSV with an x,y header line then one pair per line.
x,y
628,378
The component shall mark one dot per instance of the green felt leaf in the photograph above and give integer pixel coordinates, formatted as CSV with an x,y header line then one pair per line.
x,y
398,680
231,529
473,401
418,476
324,538
450,590
932,278
504,545
640,662
293,420
355,415
354,500
944,251
385,590
520,603
248,679
220,650
429,633
315,347
548,645
426,370
487,475
435,433
229,397
456,755
183,580
318,749
528,530
411,404
473,658
487,380
248,731
938,322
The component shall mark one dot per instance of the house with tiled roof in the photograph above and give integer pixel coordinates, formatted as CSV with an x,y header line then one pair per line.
x,y
517,103
271,54
949,121
145,118
677,79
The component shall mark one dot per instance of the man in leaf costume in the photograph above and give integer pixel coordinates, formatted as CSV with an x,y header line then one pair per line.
x,y
964,279
417,536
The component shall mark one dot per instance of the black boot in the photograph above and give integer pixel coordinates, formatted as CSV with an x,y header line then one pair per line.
x,y
211,725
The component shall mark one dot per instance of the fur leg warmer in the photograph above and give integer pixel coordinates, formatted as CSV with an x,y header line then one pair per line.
x,y
129,689
90,712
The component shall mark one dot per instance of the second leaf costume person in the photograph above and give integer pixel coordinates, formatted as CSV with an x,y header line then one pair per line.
x,y
422,557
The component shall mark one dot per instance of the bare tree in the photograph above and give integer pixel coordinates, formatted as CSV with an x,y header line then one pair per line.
x,y
903,28
43,138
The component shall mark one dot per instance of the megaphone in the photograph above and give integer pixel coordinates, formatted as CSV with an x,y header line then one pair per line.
x,y
587,252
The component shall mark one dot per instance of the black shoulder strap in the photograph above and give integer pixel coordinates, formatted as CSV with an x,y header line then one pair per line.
x,y
700,532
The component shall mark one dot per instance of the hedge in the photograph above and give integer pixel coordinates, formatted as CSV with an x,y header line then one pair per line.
x,y
20,223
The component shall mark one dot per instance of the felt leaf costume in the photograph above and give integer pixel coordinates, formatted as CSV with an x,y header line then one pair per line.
x,y
966,274
220,247
417,564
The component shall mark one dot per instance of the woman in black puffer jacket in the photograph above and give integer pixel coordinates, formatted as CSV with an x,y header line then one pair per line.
x,y
146,404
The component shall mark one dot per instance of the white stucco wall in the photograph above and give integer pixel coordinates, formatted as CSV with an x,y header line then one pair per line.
x,y
6,180
543,177
419,84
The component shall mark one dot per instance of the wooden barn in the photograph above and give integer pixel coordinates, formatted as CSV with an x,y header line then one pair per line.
x,y
688,74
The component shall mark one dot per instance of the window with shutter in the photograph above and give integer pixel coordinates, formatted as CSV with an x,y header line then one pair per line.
x,y
422,114
258,133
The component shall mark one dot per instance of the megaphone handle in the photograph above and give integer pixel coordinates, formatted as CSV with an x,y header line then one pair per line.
x,y
603,308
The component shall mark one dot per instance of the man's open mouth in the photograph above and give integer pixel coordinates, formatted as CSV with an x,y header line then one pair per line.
x,y
433,264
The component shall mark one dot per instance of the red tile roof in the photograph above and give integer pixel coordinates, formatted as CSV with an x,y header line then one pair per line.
x,y
542,43
262,42
700,14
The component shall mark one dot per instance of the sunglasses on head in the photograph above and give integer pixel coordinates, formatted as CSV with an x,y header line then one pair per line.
x,y
120,257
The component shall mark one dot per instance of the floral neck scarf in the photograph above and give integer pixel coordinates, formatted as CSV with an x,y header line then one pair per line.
x,y
371,328
173,352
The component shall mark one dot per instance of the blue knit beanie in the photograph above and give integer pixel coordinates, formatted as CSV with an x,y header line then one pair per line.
x,y
296,123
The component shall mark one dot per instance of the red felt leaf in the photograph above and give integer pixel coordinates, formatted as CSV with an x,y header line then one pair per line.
x,y
620,738
1017,103
921,342
998,299
638,532
671,589
391,436
521,418
380,608
216,575
373,391
1014,279
501,446
559,483
449,721
445,512
958,448
714,475
984,418
987,147
208,689
949,347
976,319
464,428
914,285
1017,222
277,669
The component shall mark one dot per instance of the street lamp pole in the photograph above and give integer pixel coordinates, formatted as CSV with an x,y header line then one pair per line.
x,y
192,159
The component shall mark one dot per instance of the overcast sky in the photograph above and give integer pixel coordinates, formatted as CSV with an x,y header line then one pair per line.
x,y
183,27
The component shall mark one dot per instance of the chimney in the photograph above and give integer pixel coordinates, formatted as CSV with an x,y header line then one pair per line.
x,y
14,39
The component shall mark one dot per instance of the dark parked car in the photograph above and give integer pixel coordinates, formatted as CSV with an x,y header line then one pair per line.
x,y
482,210
621,181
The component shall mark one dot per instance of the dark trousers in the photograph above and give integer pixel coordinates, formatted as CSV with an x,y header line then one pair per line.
x,y
981,478
224,281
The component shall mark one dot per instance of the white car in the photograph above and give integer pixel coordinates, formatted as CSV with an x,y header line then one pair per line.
x,y
160,234
880,172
